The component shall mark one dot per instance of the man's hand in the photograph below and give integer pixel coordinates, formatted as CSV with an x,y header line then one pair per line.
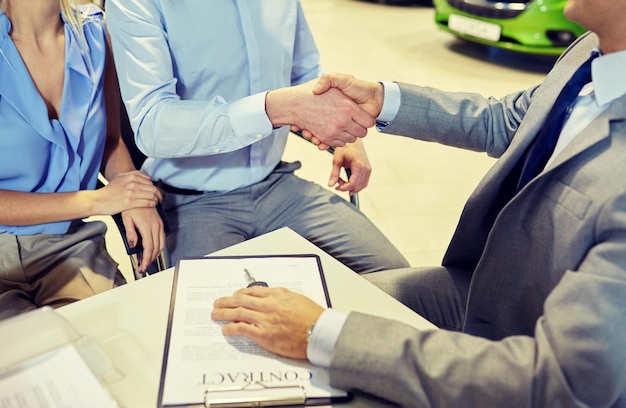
x,y
150,226
368,95
331,117
275,318
135,196
352,156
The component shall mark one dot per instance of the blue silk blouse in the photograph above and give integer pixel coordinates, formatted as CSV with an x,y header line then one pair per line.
x,y
41,155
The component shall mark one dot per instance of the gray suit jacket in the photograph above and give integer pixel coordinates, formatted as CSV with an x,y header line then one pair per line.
x,y
546,314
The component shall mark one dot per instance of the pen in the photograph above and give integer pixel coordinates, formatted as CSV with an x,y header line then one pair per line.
x,y
250,279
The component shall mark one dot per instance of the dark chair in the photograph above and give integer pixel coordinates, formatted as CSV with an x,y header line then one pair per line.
x,y
162,261
159,264
128,136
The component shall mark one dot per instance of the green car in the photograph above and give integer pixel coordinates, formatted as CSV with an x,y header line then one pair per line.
x,y
529,26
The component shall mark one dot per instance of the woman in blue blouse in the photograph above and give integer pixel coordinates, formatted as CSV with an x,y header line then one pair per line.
x,y
59,127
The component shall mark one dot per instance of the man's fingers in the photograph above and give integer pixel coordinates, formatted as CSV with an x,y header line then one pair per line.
x,y
246,297
131,232
236,314
239,328
331,80
363,119
324,83
334,174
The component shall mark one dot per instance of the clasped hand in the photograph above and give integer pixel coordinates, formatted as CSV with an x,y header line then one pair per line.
x,y
364,98
332,111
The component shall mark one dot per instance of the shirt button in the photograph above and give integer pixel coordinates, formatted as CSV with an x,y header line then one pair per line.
x,y
259,136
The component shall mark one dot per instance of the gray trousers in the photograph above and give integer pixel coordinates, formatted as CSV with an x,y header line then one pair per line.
x,y
438,294
201,224
54,269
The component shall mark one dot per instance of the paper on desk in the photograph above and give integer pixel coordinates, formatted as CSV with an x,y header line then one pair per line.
x,y
199,357
56,379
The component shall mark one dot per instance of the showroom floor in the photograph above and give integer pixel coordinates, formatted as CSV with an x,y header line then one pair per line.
x,y
417,189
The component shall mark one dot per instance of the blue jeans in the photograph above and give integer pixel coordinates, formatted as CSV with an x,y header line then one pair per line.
x,y
201,224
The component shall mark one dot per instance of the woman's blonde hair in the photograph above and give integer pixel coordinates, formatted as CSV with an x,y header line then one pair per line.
x,y
73,16
69,8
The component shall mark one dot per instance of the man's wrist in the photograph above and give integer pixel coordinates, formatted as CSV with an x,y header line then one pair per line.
x,y
278,106
391,102
249,117
324,335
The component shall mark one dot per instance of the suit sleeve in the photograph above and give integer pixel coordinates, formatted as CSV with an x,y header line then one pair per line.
x,y
465,120
575,358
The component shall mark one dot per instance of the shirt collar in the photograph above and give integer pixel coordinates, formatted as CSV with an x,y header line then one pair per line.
x,y
607,72
5,27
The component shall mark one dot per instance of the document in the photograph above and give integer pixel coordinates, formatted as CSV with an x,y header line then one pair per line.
x,y
202,367
59,378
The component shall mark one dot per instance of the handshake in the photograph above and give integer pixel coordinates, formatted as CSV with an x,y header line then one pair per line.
x,y
330,111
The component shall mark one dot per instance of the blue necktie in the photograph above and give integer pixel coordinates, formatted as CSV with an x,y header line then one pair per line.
x,y
542,147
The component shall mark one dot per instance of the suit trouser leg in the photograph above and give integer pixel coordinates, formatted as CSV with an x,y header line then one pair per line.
x,y
328,221
438,294
205,223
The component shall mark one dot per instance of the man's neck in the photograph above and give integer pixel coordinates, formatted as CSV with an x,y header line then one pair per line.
x,y
612,38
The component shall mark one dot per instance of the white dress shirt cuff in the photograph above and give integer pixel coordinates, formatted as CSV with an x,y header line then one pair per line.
x,y
248,117
324,337
391,103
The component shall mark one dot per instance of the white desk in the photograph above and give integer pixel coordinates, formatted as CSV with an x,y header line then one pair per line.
x,y
129,322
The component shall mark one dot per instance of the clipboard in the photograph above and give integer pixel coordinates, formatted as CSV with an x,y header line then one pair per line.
x,y
227,373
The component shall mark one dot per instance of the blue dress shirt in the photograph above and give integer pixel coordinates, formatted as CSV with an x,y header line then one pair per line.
x,y
194,76
47,156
